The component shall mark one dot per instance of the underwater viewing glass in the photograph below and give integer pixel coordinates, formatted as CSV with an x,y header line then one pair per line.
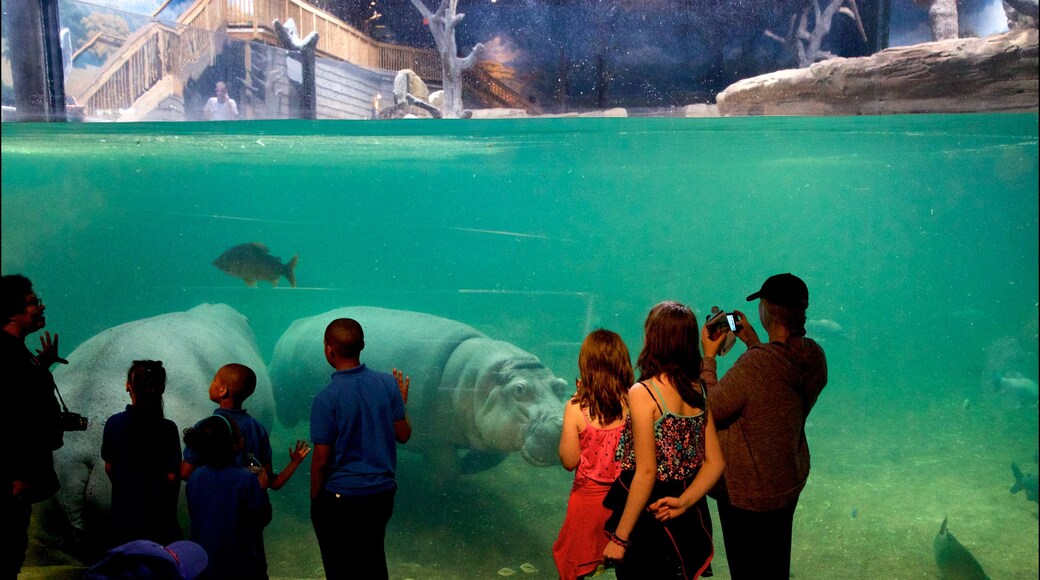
x,y
478,253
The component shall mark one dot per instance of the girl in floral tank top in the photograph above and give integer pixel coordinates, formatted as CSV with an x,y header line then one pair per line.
x,y
660,526
679,441
592,424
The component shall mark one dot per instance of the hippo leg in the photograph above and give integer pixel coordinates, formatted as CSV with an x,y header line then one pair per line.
x,y
72,496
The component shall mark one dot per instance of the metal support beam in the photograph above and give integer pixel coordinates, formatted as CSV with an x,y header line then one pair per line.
x,y
36,61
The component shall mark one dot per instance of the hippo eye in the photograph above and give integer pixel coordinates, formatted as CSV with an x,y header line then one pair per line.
x,y
522,391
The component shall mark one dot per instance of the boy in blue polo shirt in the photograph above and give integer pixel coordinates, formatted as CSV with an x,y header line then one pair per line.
x,y
356,423
231,386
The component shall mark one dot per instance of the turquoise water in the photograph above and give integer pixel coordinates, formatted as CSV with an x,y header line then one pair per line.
x,y
917,236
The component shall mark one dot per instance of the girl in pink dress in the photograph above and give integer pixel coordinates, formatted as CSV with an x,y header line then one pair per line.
x,y
592,424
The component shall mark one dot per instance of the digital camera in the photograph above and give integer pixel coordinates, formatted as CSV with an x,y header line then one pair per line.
x,y
72,421
721,322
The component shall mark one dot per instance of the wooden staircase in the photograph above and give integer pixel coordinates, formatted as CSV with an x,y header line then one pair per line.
x,y
157,50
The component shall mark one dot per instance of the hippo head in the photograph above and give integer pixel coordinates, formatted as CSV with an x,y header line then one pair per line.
x,y
517,406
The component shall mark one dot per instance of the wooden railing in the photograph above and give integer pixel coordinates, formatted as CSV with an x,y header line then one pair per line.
x,y
336,38
111,40
147,56
205,14
424,62
478,80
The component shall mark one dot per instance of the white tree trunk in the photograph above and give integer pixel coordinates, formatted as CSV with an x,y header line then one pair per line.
x,y
942,15
442,25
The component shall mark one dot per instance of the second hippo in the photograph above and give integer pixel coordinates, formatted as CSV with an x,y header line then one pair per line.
x,y
468,391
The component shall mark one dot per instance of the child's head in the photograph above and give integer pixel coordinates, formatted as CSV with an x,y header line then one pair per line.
x,y
216,439
606,375
671,342
146,383
233,383
672,347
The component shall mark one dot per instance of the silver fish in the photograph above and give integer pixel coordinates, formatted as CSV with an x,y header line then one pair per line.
x,y
253,262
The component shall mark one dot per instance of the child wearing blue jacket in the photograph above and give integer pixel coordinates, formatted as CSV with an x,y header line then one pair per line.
x,y
227,504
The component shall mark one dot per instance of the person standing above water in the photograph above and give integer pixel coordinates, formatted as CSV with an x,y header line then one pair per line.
x,y
220,107
761,405
31,428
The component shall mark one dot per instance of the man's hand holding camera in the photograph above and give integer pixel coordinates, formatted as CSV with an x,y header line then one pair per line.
x,y
745,332
720,328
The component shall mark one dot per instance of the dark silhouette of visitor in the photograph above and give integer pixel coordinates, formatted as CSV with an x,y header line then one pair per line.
x,y
142,453
32,429
227,505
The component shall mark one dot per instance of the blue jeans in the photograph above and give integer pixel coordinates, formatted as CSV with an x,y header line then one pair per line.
x,y
351,531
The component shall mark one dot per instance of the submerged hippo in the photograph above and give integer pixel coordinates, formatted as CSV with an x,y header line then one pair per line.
x,y
192,345
467,390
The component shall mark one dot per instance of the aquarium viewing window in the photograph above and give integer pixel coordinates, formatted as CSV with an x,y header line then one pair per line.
x,y
593,160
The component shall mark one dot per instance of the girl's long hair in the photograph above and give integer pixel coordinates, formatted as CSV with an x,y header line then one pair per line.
x,y
606,375
671,347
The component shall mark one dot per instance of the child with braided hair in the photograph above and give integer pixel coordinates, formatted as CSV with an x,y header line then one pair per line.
x,y
142,454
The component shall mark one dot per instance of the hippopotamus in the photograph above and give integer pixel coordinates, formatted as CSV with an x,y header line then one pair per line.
x,y
467,391
192,346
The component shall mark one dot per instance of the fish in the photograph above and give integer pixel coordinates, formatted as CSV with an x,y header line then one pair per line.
x,y
1005,357
1024,482
253,262
1019,388
825,328
955,562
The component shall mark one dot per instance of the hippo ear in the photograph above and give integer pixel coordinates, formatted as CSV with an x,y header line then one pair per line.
x,y
559,387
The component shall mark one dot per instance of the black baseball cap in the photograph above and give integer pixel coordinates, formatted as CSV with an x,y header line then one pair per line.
x,y
785,290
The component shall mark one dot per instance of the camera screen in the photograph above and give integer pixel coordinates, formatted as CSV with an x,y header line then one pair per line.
x,y
732,320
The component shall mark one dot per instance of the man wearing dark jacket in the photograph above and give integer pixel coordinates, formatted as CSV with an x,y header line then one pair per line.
x,y
31,427
760,407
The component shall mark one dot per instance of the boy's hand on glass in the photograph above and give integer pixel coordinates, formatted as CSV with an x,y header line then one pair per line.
x,y
299,451
402,384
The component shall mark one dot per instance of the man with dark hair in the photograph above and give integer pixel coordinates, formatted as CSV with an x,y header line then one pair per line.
x,y
31,428
356,422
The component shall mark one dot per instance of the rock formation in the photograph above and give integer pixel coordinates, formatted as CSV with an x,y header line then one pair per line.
x,y
995,73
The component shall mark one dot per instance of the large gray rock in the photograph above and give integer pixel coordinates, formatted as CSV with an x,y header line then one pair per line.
x,y
995,73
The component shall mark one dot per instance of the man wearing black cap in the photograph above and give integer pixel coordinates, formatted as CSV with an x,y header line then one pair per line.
x,y
760,407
